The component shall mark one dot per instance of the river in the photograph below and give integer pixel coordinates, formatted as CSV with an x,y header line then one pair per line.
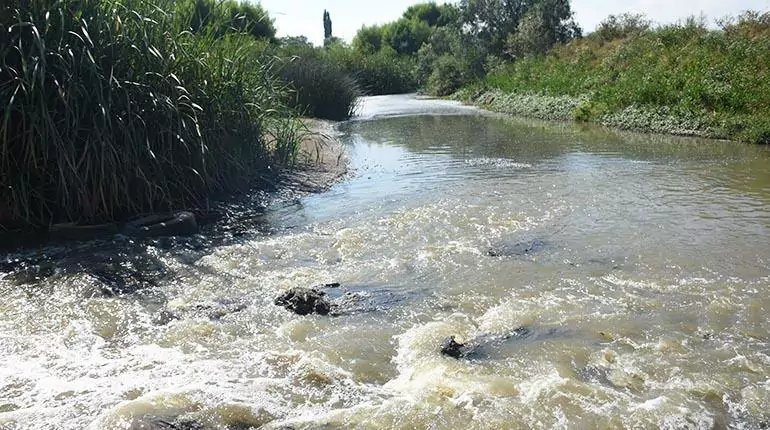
x,y
628,289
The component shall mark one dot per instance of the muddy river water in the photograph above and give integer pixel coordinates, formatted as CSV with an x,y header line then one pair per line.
x,y
633,272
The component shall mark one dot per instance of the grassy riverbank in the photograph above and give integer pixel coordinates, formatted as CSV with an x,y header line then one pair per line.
x,y
113,108
678,79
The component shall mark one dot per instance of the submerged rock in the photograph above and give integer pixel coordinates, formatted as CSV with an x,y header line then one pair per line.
x,y
32,274
165,423
177,224
304,301
219,310
518,249
214,311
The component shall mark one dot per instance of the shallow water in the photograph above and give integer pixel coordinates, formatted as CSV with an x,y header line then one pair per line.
x,y
644,295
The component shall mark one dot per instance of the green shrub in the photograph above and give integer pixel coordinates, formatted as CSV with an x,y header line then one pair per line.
x,y
110,108
321,88
384,73
623,26
447,77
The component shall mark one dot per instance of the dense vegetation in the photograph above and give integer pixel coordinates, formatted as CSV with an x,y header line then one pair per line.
x,y
683,78
116,107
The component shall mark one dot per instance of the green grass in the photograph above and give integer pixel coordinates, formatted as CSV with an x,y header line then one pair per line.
x,y
112,108
680,79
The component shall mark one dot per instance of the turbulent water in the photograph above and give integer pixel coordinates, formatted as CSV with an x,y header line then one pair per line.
x,y
637,267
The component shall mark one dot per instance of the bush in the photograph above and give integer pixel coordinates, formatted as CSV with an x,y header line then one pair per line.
x,y
384,73
111,109
447,77
321,89
616,27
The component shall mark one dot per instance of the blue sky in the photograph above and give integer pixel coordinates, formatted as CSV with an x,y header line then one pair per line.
x,y
304,17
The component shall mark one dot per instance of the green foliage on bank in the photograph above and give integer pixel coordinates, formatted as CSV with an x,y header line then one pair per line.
x,y
321,89
382,72
117,107
683,78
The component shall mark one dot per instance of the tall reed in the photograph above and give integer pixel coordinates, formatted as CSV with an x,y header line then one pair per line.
x,y
112,107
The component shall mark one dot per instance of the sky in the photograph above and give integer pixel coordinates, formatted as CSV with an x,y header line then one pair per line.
x,y
305,17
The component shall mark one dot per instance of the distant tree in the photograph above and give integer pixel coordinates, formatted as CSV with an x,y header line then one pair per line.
x,y
368,40
327,25
433,14
542,26
495,21
295,41
334,41
406,36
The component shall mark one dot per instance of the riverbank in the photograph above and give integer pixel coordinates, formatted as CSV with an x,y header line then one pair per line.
x,y
662,120
681,79
321,161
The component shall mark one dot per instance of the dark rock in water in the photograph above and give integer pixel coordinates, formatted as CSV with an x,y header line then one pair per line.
x,y
519,249
164,317
451,348
478,348
304,301
178,224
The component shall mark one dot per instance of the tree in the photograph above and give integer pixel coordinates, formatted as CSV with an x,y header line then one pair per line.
x,y
433,14
295,41
545,24
327,25
406,36
494,21
368,40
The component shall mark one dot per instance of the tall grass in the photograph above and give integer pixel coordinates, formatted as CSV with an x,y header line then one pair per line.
x,y
715,79
321,89
383,72
112,107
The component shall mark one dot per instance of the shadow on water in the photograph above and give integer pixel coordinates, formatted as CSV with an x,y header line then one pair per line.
x,y
121,265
